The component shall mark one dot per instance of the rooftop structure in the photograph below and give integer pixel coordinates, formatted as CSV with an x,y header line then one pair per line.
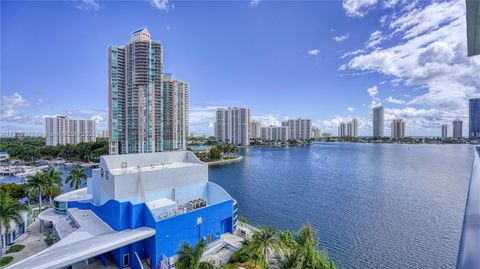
x,y
137,207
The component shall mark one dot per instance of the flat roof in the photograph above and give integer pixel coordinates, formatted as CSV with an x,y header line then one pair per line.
x,y
151,167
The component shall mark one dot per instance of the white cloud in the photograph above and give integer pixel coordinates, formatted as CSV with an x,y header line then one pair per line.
x,y
267,120
374,40
332,124
254,3
430,56
373,91
313,52
394,101
421,118
350,109
87,5
97,118
358,8
341,38
164,5
10,105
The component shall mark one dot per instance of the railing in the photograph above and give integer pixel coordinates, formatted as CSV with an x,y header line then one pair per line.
x,y
469,250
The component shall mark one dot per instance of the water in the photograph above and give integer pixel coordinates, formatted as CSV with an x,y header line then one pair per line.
x,y
64,170
374,205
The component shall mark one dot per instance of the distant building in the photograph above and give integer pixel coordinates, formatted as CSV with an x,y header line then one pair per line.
x,y
342,130
316,132
474,118
444,131
4,156
175,113
232,125
457,129
62,130
299,129
352,128
148,110
103,134
378,121
254,130
275,133
398,128
19,135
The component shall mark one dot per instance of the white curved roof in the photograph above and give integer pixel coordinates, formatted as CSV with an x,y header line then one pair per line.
x,y
76,195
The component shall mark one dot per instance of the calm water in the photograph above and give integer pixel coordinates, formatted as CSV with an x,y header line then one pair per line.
x,y
64,170
374,205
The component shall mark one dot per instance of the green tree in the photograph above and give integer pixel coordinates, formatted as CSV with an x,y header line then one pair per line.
x,y
263,241
77,175
214,153
53,181
36,185
189,257
288,259
10,210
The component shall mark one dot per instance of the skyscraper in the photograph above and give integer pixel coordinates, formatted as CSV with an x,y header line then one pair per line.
x,y
457,129
398,128
300,129
140,109
342,130
378,121
316,132
352,128
175,113
255,132
232,126
62,130
444,131
474,118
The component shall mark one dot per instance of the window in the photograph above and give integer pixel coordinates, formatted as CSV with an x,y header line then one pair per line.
x,y
126,260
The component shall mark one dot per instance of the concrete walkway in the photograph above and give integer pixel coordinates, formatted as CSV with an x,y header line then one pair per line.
x,y
33,244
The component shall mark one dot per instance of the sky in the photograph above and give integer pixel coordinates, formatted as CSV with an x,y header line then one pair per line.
x,y
325,60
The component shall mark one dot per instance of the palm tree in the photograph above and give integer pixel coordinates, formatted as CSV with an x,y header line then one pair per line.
x,y
291,258
263,240
77,174
53,180
36,185
189,257
9,210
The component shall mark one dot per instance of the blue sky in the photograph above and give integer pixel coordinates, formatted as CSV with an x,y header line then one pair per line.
x,y
324,60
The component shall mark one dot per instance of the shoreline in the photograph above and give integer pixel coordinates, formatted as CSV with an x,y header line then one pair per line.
x,y
239,158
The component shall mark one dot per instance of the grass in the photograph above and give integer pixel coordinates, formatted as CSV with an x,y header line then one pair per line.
x,y
15,248
6,260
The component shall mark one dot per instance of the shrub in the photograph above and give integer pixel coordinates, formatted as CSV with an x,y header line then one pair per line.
x,y
15,248
6,260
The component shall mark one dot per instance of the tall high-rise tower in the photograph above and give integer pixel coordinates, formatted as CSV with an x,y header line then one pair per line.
x,y
378,121
139,107
474,118
457,129
398,128
444,131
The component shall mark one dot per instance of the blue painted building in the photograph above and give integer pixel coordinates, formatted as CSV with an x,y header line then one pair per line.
x,y
474,118
155,200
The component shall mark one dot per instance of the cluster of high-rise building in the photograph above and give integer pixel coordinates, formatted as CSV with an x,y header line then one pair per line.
x,y
148,109
348,129
61,130
234,126
473,122
397,127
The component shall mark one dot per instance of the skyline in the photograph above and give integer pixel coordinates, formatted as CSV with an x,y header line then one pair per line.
x,y
340,62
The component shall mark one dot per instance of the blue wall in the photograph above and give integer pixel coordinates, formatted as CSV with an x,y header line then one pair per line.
x,y
170,233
